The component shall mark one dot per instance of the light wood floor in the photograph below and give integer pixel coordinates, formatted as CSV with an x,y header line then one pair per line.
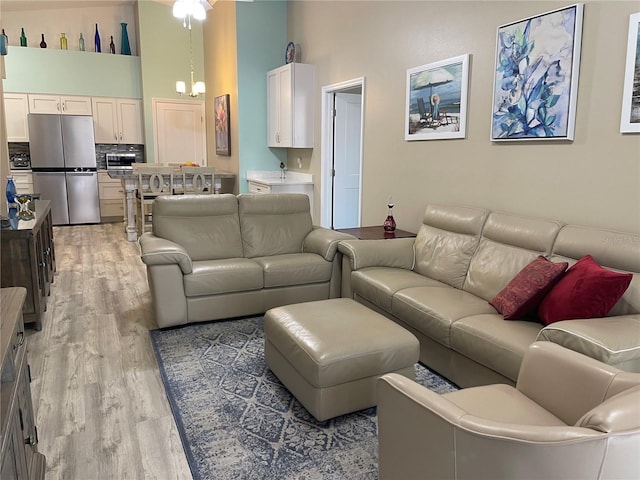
x,y
101,409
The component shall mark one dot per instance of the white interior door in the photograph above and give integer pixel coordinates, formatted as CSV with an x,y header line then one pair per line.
x,y
180,132
346,160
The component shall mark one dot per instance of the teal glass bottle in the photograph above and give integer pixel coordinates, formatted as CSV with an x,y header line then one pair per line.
x,y
23,39
125,47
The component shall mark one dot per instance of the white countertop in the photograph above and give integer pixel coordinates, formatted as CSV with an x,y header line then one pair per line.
x,y
275,177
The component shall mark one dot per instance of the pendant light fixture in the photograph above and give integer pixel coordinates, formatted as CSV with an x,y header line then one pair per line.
x,y
185,10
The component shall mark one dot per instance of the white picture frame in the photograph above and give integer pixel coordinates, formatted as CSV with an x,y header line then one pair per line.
x,y
436,101
630,117
537,66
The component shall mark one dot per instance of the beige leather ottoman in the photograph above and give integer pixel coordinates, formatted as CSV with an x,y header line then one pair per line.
x,y
330,353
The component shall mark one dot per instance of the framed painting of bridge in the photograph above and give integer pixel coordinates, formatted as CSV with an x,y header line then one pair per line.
x,y
535,86
436,106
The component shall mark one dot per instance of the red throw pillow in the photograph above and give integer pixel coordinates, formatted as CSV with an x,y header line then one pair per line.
x,y
525,291
586,291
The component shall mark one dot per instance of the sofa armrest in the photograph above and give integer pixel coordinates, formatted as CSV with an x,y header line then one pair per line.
x,y
159,251
396,253
613,340
324,242
567,383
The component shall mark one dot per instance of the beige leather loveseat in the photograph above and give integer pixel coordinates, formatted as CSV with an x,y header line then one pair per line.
x,y
439,285
210,257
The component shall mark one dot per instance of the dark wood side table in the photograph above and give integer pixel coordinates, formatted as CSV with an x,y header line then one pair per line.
x,y
375,233
27,259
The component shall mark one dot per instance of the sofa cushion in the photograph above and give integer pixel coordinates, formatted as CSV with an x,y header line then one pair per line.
x,y
494,342
294,269
432,310
586,291
525,291
206,226
378,284
508,243
611,249
273,224
446,241
213,277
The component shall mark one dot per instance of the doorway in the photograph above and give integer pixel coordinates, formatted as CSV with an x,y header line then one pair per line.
x,y
341,170
180,132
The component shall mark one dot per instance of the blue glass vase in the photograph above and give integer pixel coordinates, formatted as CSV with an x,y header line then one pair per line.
x,y
125,48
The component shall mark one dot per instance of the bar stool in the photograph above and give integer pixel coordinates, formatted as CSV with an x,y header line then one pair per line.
x,y
152,182
197,180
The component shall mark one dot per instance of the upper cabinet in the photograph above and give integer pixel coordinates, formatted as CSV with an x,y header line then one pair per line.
x,y
117,120
60,104
290,106
17,108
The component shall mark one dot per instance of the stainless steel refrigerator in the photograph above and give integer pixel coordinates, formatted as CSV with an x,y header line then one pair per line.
x,y
63,161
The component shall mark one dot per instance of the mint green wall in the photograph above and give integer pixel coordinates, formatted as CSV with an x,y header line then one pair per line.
x,y
164,47
68,72
261,28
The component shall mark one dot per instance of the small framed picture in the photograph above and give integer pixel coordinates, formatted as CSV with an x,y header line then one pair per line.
x,y
223,130
535,87
436,106
630,121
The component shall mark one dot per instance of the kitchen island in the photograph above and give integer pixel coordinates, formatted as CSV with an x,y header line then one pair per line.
x,y
223,182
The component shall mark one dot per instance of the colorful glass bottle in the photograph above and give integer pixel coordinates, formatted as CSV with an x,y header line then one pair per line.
x,y
23,39
96,41
125,47
63,42
389,223
6,38
11,191
43,44
112,46
81,43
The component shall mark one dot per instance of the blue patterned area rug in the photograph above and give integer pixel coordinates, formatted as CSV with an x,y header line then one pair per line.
x,y
237,421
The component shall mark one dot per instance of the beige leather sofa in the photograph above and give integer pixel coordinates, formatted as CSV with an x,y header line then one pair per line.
x,y
210,257
569,417
439,285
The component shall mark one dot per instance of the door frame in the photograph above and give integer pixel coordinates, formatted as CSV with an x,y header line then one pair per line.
x,y
154,109
326,162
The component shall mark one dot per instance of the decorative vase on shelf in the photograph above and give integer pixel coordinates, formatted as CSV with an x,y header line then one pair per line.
x,y
63,42
6,39
389,224
11,191
96,41
112,46
125,48
23,39
81,43
43,44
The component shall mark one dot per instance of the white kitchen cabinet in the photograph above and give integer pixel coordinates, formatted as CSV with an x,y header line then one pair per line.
x,y
23,181
16,107
111,197
117,120
60,104
290,106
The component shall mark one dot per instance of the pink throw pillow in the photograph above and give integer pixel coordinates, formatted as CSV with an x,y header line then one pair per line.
x,y
525,291
586,291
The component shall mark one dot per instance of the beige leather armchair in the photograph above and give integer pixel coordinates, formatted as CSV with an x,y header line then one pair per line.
x,y
569,417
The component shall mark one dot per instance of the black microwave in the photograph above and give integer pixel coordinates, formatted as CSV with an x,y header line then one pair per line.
x,y
120,161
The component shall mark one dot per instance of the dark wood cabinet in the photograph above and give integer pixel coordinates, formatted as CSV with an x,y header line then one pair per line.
x,y
28,260
19,456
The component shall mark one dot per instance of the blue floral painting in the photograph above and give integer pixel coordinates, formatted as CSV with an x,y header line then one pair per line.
x,y
536,76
